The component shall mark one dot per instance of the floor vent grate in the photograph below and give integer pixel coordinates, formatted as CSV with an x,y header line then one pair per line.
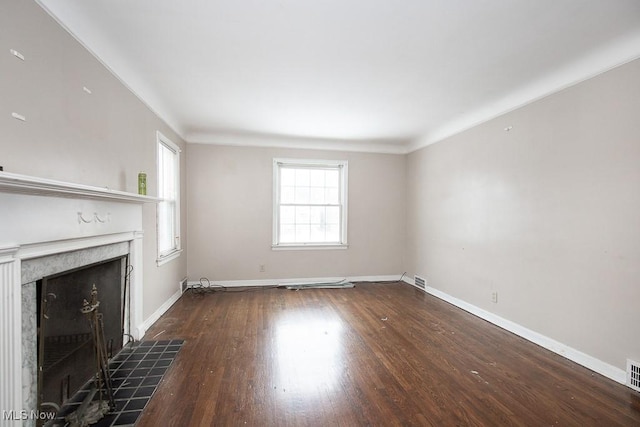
x,y
420,282
633,374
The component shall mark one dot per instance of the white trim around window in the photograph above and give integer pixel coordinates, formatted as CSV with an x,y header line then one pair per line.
x,y
309,204
168,209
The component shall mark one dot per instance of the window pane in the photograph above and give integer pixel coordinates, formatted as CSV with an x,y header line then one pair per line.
x,y
302,177
333,215
302,195
317,233
162,226
317,178
161,170
317,195
302,233
288,177
287,215
317,215
288,234
332,196
288,195
333,178
166,173
166,226
169,175
302,214
333,233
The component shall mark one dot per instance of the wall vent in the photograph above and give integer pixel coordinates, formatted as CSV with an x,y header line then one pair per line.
x,y
183,285
420,282
633,374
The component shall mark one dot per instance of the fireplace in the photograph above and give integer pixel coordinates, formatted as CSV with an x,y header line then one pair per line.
x,y
66,359
49,228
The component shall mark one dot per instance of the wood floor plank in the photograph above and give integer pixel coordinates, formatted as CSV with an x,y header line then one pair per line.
x,y
378,354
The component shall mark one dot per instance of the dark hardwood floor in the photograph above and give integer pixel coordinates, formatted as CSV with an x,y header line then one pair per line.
x,y
379,354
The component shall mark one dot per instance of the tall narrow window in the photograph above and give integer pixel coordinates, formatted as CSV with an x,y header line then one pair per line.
x,y
169,195
310,203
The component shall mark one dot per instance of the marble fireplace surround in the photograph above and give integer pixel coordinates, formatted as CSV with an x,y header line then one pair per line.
x,y
47,227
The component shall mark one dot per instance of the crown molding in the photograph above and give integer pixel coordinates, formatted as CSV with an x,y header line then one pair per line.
x,y
282,141
612,56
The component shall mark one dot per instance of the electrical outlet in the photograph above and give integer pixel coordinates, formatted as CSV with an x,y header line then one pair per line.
x,y
262,268
494,297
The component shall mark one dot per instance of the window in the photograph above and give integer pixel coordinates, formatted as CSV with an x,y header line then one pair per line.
x,y
310,204
169,195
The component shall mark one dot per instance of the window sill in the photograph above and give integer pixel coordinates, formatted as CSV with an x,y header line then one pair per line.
x,y
169,257
309,247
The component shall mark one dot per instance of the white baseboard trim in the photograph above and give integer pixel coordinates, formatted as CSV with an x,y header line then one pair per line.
x,y
159,312
298,281
559,348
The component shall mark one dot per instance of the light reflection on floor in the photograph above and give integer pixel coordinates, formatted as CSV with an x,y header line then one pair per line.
x,y
308,354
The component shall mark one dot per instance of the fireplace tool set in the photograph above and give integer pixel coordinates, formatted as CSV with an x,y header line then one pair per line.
x,y
91,411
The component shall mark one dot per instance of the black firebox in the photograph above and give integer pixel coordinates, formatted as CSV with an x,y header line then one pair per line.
x,y
66,358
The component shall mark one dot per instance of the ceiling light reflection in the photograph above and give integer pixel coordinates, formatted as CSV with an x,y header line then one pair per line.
x,y
309,354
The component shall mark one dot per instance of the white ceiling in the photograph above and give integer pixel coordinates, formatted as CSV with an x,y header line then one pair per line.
x,y
370,75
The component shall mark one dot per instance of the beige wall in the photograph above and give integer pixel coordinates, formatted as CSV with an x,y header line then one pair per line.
x,y
103,139
230,216
547,215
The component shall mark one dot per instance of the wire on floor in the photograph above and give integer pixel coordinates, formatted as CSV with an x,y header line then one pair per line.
x,y
205,286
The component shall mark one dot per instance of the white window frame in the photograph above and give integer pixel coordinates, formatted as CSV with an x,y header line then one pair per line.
x,y
165,256
343,166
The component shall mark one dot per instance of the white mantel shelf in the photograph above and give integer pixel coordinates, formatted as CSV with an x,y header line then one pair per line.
x,y
24,184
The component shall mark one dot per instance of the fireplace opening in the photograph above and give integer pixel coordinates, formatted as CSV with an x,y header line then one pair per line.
x,y
66,359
